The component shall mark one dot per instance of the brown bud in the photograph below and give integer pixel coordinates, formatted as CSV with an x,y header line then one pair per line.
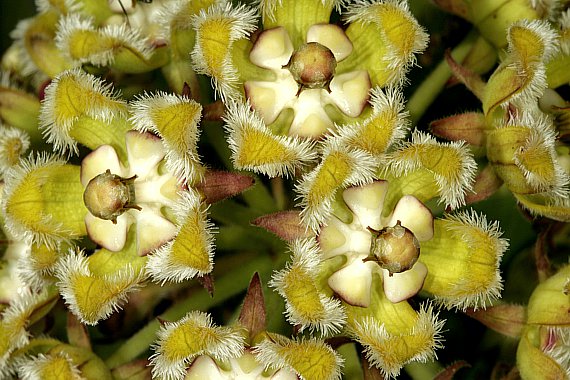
x,y
108,195
312,65
395,249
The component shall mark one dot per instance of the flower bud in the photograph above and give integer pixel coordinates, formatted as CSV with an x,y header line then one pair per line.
x,y
108,195
395,248
312,65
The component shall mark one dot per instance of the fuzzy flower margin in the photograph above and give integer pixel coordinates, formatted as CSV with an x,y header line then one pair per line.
x,y
458,263
194,346
277,104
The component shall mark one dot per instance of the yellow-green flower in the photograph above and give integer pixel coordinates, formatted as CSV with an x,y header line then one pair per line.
x,y
300,76
543,350
195,348
67,34
354,276
132,195
519,137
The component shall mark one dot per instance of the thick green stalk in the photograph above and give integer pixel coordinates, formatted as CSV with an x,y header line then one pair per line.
x,y
430,88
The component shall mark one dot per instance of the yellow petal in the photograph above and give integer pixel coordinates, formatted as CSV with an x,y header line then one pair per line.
x,y
463,260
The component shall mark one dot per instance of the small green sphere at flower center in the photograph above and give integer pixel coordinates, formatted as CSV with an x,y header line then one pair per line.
x,y
108,195
312,65
395,249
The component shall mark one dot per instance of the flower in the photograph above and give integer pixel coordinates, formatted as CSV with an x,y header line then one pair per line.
x,y
294,71
380,252
143,191
303,86
518,137
290,95
543,348
372,244
195,348
131,196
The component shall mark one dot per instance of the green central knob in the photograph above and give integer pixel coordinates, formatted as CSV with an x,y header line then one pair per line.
x,y
108,195
312,65
395,249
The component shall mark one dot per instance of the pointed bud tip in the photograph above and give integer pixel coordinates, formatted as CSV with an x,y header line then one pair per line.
x,y
219,185
285,224
253,313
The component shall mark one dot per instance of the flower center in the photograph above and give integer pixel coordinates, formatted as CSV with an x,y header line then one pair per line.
x,y
395,249
108,195
312,65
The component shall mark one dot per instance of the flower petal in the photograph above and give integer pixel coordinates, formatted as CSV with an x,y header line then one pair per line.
x,y
349,92
401,286
386,37
395,334
339,168
306,303
450,165
145,151
270,98
191,253
310,119
176,121
310,358
255,148
272,49
463,260
153,230
216,31
42,201
333,37
92,297
353,281
366,203
413,215
105,233
194,335
338,238
97,162
387,124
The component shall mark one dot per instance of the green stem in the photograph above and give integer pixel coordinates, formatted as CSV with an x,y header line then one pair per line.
x,y
226,287
419,371
279,193
430,88
259,198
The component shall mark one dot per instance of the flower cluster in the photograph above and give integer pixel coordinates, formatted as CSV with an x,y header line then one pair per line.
x,y
518,125
111,204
